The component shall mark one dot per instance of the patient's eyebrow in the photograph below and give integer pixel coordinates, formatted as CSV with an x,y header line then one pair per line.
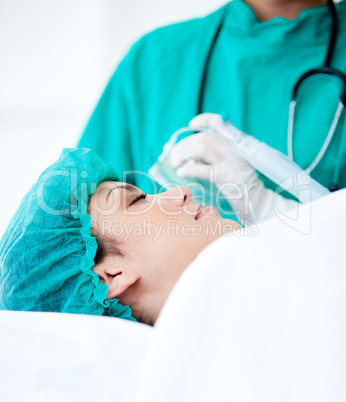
x,y
124,186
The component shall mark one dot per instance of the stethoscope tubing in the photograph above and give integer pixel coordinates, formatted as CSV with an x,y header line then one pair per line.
x,y
326,69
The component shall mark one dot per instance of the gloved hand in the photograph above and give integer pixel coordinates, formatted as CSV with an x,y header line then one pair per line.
x,y
206,156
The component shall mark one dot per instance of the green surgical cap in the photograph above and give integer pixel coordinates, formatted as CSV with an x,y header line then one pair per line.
x,y
47,252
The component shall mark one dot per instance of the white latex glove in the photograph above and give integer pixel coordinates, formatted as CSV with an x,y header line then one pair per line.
x,y
206,156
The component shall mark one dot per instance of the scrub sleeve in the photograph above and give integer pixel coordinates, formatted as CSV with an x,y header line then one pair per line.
x,y
251,75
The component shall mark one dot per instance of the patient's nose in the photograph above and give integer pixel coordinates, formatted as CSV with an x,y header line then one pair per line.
x,y
178,196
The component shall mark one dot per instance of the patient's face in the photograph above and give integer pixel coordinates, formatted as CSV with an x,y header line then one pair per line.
x,y
159,236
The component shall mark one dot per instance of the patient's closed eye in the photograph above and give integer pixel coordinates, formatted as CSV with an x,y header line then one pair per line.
x,y
139,197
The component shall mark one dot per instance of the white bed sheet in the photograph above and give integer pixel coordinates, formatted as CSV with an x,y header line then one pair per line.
x,y
258,318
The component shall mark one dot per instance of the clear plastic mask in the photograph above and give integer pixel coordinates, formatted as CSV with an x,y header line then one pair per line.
x,y
204,192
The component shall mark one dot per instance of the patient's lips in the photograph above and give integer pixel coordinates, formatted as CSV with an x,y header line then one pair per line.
x,y
202,210
199,211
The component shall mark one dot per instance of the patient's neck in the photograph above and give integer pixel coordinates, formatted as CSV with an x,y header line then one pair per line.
x,y
289,9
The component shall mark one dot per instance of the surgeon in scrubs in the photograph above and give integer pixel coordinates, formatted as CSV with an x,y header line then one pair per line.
x,y
258,50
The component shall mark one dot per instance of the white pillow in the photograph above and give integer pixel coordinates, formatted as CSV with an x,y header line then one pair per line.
x,y
67,357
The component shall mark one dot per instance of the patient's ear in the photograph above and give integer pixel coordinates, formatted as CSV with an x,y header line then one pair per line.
x,y
114,273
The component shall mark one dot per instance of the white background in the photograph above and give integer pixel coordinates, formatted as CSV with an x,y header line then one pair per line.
x,y
55,60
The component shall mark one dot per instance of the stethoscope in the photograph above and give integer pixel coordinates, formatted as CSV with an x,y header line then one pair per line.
x,y
326,69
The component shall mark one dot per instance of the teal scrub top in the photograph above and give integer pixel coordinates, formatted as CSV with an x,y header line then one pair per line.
x,y
251,75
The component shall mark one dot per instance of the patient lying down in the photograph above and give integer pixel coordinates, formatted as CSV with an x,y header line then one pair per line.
x,y
146,241
49,258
